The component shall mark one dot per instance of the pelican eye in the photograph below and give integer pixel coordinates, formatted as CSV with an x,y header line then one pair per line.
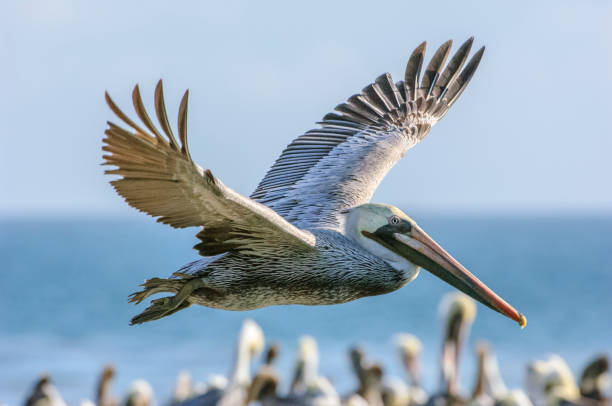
x,y
395,220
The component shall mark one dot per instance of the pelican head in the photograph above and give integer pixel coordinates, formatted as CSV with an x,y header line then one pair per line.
x,y
140,394
551,381
410,349
306,366
251,338
388,233
250,343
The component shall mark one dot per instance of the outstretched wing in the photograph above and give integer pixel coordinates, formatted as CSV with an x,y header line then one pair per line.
x,y
158,177
340,164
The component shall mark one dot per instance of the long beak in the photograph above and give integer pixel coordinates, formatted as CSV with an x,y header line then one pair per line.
x,y
422,250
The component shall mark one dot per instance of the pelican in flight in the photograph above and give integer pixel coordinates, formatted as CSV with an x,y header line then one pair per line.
x,y
308,234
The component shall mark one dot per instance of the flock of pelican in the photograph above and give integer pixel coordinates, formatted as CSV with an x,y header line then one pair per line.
x,y
308,234
548,382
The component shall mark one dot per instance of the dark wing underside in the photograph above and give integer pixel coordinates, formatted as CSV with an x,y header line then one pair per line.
x,y
340,164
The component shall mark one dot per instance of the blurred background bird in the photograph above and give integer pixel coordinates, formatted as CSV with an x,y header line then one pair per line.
x,y
548,381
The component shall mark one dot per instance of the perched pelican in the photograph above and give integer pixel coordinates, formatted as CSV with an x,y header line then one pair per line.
x,y
140,394
458,312
515,397
306,365
308,234
410,348
265,382
307,388
104,392
44,393
595,380
369,376
183,388
250,343
395,392
551,382
489,385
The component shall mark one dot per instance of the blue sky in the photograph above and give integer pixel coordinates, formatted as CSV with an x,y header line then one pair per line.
x,y
531,132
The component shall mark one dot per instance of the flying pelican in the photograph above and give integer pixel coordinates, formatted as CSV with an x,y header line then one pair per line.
x,y
308,234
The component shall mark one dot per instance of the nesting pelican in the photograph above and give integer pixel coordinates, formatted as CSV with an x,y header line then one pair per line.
x,y
308,234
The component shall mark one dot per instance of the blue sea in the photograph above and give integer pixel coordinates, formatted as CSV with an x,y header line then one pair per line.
x,y
64,284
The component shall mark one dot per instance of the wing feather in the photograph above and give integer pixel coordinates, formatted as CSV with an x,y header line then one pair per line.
x,y
340,164
157,176
413,71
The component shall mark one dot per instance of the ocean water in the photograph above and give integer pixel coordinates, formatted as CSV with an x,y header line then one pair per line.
x,y
64,283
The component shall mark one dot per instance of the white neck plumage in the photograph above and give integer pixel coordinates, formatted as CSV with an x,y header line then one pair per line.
x,y
361,219
250,342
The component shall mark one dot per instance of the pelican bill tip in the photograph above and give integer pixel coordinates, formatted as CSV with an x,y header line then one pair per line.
x,y
522,320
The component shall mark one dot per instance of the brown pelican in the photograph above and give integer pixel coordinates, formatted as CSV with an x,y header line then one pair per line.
x,y
489,387
140,394
183,388
551,382
44,393
307,388
458,312
395,392
250,343
515,397
410,348
306,365
104,393
265,382
308,234
369,376
594,381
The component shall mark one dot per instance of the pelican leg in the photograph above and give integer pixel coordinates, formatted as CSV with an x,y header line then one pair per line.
x,y
168,305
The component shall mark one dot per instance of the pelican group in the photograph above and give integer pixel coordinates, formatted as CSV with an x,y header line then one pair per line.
x,y
549,382
308,234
